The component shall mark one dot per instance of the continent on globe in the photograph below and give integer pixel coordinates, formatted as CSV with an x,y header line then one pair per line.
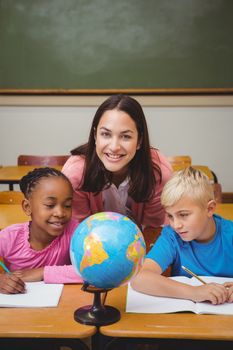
x,y
94,252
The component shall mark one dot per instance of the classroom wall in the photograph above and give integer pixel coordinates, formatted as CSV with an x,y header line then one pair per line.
x,y
203,132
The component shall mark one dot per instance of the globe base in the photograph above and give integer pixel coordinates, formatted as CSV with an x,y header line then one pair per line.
x,y
97,314
88,315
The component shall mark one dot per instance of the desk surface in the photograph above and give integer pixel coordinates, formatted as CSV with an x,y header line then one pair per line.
x,y
55,322
225,210
165,326
15,173
11,214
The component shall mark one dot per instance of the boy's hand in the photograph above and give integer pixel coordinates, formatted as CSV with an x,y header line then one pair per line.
x,y
229,287
11,284
30,275
213,292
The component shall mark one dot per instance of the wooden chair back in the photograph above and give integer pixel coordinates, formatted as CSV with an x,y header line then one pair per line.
x,y
42,160
180,160
11,197
150,236
217,192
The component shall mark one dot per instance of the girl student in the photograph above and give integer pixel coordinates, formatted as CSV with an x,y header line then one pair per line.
x,y
39,249
117,169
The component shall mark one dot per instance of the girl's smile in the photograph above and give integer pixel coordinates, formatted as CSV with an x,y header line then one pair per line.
x,y
50,208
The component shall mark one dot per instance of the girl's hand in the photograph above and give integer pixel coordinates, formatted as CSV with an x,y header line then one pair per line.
x,y
213,292
11,284
30,275
229,287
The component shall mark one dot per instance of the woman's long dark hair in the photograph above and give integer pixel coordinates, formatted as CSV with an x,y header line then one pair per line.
x,y
141,168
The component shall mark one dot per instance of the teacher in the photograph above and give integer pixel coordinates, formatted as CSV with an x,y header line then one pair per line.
x,y
117,169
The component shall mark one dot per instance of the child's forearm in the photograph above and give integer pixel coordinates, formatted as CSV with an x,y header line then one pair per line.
x,y
30,275
152,283
158,285
61,274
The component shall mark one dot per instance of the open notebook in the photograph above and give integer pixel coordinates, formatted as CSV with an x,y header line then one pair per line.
x,y
143,303
38,294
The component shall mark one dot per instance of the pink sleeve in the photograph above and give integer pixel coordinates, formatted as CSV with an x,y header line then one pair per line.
x,y
61,274
154,213
73,169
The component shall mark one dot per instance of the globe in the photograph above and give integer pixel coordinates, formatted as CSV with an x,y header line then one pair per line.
x,y
107,250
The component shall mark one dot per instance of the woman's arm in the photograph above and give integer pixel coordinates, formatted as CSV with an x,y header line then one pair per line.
x,y
154,213
73,169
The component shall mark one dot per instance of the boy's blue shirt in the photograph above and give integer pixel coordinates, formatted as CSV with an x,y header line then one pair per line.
x,y
214,258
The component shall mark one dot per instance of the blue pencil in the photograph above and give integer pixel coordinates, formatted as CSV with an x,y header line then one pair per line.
x,y
4,267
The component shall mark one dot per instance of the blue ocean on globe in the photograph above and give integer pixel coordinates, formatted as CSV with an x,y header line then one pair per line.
x,y
107,249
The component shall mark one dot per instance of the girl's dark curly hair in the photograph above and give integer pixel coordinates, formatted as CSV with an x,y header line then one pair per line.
x,y
29,181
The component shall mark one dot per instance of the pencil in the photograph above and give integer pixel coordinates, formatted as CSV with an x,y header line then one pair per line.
x,y
193,274
4,267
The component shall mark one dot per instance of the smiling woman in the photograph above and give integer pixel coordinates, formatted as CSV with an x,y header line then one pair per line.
x,y
117,142
117,170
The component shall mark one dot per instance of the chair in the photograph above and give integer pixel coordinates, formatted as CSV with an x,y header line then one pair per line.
x,y
217,192
180,161
217,188
42,160
213,180
11,197
150,236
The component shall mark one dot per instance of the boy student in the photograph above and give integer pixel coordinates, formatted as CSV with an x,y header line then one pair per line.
x,y
196,238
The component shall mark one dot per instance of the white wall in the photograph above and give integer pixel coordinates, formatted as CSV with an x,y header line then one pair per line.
x,y
203,132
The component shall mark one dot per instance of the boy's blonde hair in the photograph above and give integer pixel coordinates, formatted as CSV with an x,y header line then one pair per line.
x,y
188,182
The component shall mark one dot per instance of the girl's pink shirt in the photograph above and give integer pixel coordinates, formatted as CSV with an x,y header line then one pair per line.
x,y
55,258
149,214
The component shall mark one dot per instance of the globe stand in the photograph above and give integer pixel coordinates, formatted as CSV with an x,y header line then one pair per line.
x,y
96,314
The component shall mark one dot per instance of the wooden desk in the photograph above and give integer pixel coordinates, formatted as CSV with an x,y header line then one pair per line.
x,y
165,326
225,210
11,214
11,175
53,323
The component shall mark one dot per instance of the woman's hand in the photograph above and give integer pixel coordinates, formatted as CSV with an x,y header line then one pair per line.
x,y
30,275
11,284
